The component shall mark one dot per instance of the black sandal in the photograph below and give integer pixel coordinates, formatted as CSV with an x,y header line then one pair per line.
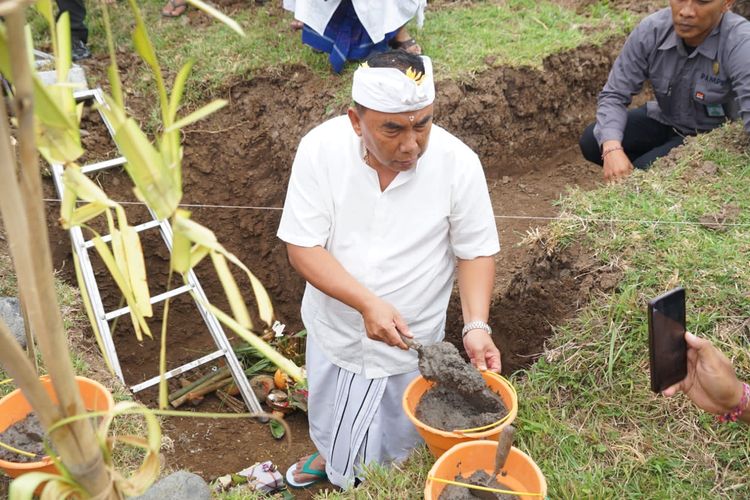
x,y
405,45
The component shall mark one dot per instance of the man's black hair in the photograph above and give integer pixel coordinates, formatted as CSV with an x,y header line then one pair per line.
x,y
399,59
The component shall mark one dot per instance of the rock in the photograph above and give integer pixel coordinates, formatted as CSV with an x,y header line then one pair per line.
x,y
10,314
180,485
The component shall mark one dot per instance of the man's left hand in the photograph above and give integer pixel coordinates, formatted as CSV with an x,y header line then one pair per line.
x,y
483,353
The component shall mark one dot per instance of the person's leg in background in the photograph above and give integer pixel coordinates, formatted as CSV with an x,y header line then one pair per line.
x,y
644,140
79,33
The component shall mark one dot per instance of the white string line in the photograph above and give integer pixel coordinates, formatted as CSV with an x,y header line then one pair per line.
x,y
519,217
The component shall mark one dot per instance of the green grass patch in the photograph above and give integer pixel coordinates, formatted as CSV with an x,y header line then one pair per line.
x,y
462,40
587,415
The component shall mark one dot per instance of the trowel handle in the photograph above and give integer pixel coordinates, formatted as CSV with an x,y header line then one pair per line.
x,y
411,343
503,447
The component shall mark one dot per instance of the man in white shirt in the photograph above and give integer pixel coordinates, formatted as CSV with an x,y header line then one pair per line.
x,y
377,223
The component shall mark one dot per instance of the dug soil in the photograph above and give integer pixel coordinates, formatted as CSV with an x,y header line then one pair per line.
x,y
524,124
25,435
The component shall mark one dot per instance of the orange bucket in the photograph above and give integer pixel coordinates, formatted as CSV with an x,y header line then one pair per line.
x,y
14,407
439,441
523,475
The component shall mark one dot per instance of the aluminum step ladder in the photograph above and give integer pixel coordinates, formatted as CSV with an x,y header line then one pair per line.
x,y
81,247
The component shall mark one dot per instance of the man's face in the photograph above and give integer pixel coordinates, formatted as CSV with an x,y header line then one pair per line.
x,y
695,19
395,141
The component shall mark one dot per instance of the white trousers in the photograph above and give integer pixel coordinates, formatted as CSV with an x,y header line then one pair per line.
x,y
355,421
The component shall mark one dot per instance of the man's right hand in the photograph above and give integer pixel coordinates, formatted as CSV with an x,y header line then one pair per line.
x,y
617,166
384,323
711,382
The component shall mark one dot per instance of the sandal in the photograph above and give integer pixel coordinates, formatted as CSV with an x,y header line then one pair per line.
x,y
174,8
320,475
409,43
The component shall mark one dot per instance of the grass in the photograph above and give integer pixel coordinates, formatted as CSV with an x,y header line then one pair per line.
x,y
587,416
513,32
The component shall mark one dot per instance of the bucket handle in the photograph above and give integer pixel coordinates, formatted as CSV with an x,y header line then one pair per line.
x,y
483,488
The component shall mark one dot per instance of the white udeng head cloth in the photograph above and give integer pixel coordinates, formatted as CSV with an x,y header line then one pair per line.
x,y
389,90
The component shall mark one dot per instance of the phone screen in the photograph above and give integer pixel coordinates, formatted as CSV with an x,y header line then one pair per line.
x,y
667,346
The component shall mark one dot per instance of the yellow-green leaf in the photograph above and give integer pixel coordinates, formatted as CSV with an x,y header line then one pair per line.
x,y
83,214
265,307
178,87
286,365
44,7
180,260
22,488
139,323
236,303
63,60
83,187
90,311
197,115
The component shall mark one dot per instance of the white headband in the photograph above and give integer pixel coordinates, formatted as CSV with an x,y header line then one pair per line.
x,y
389,90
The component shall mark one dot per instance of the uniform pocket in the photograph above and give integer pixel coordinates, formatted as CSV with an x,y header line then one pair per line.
x,y
713,104
662,93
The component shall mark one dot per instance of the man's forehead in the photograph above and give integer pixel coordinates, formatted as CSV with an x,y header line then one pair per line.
x,y
408,116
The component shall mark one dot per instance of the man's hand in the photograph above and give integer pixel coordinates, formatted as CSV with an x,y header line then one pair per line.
x,y
617,165
483,353
710,382
384,323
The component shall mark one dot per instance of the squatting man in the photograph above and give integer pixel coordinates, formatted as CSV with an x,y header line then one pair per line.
x,y
696,54
378,223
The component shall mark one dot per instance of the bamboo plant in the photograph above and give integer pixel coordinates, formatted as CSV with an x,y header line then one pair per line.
x,y
46,120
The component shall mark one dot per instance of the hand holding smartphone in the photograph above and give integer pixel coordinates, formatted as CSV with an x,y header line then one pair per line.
x,y
666,336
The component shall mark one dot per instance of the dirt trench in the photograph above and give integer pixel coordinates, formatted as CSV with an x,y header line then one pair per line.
x,y
523,123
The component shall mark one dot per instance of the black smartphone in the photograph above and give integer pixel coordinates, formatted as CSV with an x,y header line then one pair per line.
x,y
666,339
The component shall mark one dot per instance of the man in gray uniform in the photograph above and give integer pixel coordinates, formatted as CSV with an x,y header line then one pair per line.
x,y
696,54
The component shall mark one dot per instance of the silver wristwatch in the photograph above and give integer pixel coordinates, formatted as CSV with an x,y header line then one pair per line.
x,y
476,325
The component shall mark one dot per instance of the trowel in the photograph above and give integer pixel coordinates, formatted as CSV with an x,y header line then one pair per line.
x,y
443,363
503,449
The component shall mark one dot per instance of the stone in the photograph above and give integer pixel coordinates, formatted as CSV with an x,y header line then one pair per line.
x,y
180,485
10,314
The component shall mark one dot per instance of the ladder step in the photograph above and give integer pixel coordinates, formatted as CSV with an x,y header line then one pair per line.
x,y
102,165
177,371
84,95
154,300
141,227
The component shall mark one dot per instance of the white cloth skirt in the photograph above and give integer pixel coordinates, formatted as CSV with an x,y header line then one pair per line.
x,y
355,421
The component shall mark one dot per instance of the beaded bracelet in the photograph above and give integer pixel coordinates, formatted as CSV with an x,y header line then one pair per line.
x,y
734,414
610,150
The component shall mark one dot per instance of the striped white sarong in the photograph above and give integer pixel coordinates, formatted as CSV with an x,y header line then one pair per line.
x,y
354,420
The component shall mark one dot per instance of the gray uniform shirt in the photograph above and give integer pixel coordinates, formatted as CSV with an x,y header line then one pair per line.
x,y
695,92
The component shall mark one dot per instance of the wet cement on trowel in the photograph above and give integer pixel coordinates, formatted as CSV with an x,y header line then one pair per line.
x,y
479,478
460,398
26,435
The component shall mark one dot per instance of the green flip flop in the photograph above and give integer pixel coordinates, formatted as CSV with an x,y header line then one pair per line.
x,y
320,475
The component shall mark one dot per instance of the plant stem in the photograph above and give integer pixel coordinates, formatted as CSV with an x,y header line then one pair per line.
x,y
202,391
222,372
23,214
